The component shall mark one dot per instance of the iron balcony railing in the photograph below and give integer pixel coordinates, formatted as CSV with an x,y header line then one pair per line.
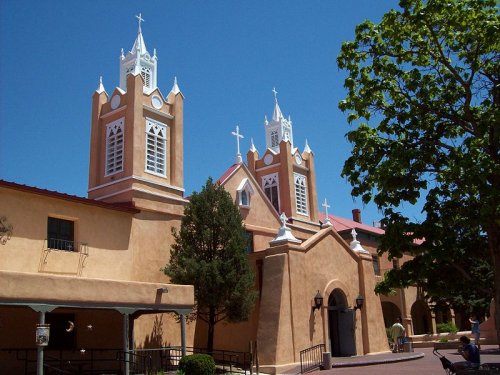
x,y
65,245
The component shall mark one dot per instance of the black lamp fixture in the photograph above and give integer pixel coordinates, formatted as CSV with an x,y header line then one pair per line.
x,y
318,301
359,302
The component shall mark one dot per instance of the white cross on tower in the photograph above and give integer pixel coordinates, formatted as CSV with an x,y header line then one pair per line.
x,y
275,94
238,136
327,206
140,20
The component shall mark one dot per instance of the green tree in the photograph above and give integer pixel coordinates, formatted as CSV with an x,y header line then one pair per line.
x,y
210,253
423,87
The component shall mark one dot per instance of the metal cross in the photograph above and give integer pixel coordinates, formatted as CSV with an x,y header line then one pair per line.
x,y
275,94
140,20
327,206
238,136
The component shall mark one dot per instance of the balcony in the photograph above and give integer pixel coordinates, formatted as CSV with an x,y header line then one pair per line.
x,y
65,245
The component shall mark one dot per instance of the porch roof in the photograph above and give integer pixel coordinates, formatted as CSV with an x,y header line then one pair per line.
x,y
29,289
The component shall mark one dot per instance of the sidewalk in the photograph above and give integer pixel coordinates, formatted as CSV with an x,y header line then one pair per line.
x,y
420,362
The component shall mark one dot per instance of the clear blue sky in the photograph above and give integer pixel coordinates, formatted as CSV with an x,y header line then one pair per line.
x,y
227,56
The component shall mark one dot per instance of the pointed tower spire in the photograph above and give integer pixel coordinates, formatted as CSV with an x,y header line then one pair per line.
x,y
279,128
175,88
252,145
139,61
100,88
277,115
307,148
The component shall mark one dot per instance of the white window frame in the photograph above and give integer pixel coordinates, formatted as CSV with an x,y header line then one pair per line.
x,y
146,76
154,144
115,140
301,204
270,181
244,189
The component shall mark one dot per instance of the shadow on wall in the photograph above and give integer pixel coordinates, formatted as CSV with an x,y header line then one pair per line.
x,y
155,339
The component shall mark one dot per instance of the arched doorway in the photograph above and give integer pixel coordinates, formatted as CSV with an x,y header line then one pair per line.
x,y
391,313
341,325
421,318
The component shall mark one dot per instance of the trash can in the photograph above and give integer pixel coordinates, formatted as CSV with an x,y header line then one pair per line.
x,y
407,346
327,360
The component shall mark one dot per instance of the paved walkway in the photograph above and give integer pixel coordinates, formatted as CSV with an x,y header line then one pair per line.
x,y
420,362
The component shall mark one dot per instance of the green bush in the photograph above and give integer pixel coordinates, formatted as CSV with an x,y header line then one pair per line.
x,y
448,327
197,364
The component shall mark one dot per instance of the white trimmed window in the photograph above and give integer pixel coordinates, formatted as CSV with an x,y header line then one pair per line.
x,y
244,193
274,138
114,146
300,193
270,186
156,147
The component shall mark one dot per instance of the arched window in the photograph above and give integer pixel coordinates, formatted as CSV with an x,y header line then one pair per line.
x,y
300,193
271,189
114,147
156,147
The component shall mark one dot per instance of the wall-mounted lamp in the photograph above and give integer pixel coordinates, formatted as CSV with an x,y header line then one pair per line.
x,y
318,301
162,290
359,302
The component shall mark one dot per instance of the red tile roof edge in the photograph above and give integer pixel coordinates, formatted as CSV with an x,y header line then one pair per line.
x,y
122,206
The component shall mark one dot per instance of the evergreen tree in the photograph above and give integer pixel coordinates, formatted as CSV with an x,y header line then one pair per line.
x,y
210,253
424,89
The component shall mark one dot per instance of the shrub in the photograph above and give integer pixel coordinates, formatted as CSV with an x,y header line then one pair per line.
x,y
197,364
448,327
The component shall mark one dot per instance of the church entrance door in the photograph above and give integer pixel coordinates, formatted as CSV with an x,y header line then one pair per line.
x,y
341,325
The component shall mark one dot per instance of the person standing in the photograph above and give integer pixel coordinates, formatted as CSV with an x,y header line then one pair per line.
x,y
397,333
474,325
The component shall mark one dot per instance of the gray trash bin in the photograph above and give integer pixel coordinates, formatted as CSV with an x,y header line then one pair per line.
x,y
408,346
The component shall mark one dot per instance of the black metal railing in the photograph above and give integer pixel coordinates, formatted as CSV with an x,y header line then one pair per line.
x,y
166,359
89,361
311,358
66,245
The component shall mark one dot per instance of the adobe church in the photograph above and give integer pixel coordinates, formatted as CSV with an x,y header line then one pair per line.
x,y
91,266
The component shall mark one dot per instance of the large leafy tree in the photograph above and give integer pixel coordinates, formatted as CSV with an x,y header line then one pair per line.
x,y
423,88
210,253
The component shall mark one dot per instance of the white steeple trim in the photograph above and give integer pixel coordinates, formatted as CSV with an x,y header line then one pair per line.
x,y
284,233
279,128
238,137
175,88
252,146
327,222
100,88
356,245
139,61
307,148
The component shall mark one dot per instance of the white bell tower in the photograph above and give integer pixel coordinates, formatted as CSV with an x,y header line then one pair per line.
x,y
278,128
139,61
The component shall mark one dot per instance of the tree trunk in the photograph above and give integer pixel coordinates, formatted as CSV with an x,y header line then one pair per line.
x,y
494,243
211,329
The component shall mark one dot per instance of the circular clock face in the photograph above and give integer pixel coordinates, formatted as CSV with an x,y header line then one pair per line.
x,y
156,101
115,101
298,159
268,159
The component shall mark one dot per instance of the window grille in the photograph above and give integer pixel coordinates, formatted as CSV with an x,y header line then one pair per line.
x,y
271,188
156,147
146,75
274,138
300,193
114,146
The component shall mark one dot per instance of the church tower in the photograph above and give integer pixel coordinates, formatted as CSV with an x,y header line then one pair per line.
x,y
286,175
136,149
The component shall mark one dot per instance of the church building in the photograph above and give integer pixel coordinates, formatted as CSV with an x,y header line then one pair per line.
x,y
90,267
